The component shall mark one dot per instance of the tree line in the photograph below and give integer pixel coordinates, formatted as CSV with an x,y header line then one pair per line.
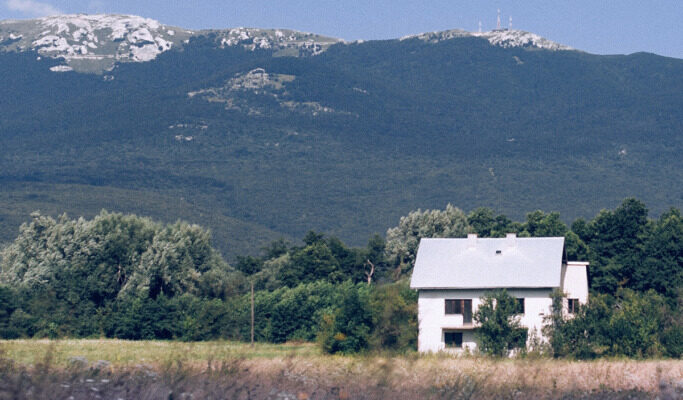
x,y
128,277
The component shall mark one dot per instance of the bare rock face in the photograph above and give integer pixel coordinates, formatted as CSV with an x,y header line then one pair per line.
x,y
499,37
94,43
91,43
260,83
283,41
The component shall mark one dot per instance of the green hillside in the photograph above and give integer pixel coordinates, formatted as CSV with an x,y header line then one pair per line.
x,y
343,142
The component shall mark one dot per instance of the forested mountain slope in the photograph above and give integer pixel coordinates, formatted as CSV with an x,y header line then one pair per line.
x,y
256,142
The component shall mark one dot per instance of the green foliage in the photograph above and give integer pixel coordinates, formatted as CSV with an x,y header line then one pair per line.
x,y
486,224
347,329
129,277
142,319
499,328
661,268
403,240
249,265
103,276
540,224
554,323
109,256
296,313
627,250
313,262
631,324
323,259
616,241
8,306
636,322
394,311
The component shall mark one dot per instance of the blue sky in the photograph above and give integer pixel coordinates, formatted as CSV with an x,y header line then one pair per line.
x,y
602,27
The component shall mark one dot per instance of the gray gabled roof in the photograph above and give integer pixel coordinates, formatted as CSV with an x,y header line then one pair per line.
x,y
474,263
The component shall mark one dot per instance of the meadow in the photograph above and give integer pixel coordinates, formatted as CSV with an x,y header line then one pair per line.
x,y
117,369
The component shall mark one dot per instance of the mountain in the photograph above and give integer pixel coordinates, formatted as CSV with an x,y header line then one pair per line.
x,y
262,133
95,43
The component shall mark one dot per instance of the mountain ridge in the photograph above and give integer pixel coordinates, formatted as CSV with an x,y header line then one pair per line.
x,y
96,42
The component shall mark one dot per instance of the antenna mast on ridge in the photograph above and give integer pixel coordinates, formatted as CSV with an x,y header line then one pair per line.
x,y
510,24
498,22
479,26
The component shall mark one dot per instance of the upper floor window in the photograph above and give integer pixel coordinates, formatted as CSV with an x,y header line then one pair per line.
x,y
572,306
460,306
520,305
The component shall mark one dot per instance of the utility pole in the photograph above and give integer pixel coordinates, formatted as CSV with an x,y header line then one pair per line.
x,y
252,313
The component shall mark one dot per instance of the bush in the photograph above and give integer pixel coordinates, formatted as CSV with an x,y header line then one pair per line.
x,y
630,324
499,329
394,315
348,329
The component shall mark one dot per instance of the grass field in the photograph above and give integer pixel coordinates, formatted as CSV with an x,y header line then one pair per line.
x,y
126,353
300,370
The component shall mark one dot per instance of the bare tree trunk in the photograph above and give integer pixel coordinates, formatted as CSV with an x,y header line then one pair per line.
x,y
372,271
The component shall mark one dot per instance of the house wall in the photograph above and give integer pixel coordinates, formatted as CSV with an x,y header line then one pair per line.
x,y
433,319
575,280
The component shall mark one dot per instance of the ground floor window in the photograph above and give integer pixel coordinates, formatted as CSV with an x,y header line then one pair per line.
x,y
452,339
572,306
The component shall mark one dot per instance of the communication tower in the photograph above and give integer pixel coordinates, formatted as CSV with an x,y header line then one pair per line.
x,y
510,24
498,21
479,26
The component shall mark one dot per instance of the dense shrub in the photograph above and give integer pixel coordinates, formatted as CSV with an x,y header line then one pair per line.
x,y
499,328
631,324
347,329
394,313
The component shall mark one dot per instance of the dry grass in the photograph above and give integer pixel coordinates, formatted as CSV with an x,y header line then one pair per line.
x,y
235,370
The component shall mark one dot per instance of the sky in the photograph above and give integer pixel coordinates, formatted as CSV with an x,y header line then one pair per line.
x,y
601,27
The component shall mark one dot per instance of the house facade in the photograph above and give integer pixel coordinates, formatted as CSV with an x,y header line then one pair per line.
x,y
452,275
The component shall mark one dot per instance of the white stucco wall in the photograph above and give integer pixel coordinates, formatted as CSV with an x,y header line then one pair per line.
x,y
433,319
575,280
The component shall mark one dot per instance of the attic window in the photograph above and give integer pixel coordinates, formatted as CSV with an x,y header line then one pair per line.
x,y
499,251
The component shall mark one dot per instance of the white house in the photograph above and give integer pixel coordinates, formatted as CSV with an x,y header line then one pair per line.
x,y
451,276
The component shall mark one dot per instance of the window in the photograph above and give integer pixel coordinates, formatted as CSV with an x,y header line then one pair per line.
x,y
460,306
520,305
572,306
452,339
451,306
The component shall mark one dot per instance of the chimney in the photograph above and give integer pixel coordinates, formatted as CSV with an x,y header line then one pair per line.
x,y
471,240
511,239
